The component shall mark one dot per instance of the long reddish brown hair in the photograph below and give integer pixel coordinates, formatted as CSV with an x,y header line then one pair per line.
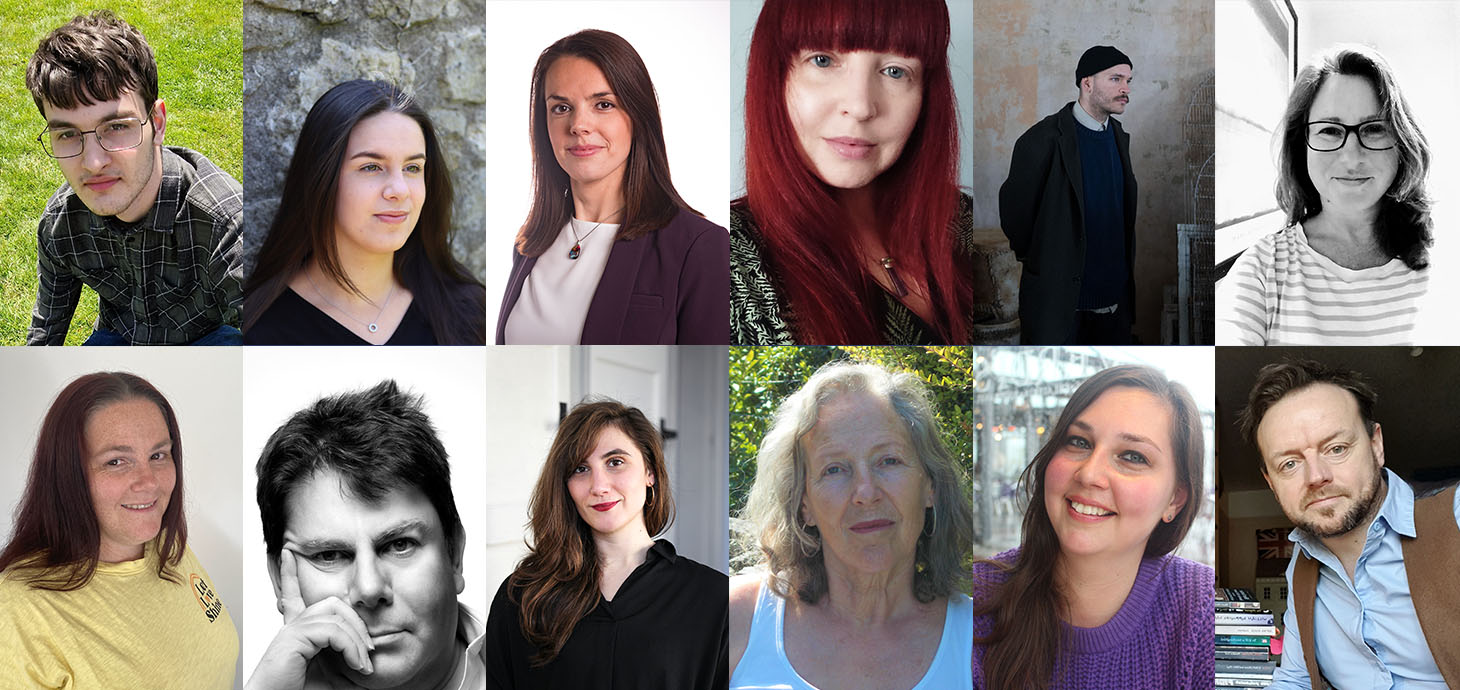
x,y
56,538
803,228
650,199
556,584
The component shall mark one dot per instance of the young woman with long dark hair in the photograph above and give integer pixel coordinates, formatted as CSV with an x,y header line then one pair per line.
x,y
852,229
1092,598
598,602
98,588
610,253
358,252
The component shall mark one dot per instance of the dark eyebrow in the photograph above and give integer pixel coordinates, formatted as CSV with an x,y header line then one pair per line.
x,y
113,115
1367,118
1295,451
615,451
396,531
1124,435
123,448
324,545
388,535
600,94
377,156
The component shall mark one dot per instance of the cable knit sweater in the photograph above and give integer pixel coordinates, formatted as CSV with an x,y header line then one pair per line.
x,y
1161,638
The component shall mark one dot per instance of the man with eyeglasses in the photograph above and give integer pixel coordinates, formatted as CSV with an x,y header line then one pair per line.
x,y
1068,208
153,229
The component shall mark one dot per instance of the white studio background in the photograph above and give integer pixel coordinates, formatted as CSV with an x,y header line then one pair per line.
x,y
201,384
960,68
682,43
284,380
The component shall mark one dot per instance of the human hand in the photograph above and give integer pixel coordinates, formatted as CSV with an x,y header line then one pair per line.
x,y
308,630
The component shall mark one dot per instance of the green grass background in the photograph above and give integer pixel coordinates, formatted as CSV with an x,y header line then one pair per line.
x,y
199,49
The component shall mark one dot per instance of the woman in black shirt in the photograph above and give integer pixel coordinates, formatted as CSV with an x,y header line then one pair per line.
x,y
598,603
359,252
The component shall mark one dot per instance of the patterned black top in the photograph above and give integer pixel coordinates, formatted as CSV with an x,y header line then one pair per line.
x,y
168,279
759,314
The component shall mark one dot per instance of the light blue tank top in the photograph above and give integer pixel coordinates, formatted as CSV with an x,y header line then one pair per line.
x,y
764,665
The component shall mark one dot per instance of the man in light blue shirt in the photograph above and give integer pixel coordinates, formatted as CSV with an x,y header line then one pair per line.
x,y
1323,456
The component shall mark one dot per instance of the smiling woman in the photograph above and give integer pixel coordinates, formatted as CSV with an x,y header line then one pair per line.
x,y
98,587
1350,266
595,582
609,253
1092,598
359,252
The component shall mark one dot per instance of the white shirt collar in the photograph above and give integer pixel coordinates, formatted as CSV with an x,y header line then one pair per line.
x,y
1087,120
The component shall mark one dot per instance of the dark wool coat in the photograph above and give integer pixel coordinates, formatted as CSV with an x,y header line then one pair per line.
x,y
1042,211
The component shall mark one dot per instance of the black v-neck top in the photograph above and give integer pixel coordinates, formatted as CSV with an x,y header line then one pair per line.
x,y
292,320
666,628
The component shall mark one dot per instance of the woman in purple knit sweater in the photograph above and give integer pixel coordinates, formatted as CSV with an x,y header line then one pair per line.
x,y
1111,495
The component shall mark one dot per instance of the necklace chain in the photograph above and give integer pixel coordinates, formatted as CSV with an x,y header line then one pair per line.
x,y
577,249
371,325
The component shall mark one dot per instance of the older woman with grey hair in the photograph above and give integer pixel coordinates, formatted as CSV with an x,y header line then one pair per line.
x,y
864,524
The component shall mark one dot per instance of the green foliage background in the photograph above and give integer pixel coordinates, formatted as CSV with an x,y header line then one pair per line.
x,y
199,50
760,377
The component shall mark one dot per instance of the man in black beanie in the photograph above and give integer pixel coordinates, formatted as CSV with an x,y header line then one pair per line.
x,y
1068,208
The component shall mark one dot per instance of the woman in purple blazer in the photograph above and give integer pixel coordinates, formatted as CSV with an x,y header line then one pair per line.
x,y
610,253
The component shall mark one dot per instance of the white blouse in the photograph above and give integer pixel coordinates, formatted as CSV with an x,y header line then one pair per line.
x,y
556,294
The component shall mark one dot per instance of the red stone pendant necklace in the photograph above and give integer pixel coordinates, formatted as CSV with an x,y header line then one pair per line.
x,y
577,249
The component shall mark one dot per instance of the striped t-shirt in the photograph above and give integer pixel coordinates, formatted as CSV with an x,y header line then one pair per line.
x,y
1282,292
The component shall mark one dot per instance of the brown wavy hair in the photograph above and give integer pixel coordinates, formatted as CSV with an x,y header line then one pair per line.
x,y
1404,228
1026,646
57,539
556,584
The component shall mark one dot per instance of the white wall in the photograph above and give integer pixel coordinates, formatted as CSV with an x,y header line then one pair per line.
x,y
527,383
284,380
682,43
202,384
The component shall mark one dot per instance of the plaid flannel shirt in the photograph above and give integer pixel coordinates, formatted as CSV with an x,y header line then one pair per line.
x,y
169,279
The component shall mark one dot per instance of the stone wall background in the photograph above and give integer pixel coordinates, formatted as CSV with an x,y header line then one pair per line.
x,y
295,50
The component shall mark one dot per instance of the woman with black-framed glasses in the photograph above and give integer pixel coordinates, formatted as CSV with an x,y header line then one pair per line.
x,y
1350,266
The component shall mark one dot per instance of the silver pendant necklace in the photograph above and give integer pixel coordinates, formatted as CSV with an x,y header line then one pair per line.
x,y
371,325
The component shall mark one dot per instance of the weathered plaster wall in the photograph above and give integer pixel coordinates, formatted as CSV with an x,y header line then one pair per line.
x,y
295,50
1025,52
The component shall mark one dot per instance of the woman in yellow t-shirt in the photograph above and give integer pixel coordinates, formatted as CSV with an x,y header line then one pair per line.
x,y
98,588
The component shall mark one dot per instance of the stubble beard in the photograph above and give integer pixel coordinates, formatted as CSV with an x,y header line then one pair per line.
x,y
1363,505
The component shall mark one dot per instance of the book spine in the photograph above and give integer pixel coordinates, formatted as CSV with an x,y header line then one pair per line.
x,y
1244,640
1260,630
1251,618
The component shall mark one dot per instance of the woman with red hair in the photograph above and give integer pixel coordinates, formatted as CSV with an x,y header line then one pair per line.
x,y
852,229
